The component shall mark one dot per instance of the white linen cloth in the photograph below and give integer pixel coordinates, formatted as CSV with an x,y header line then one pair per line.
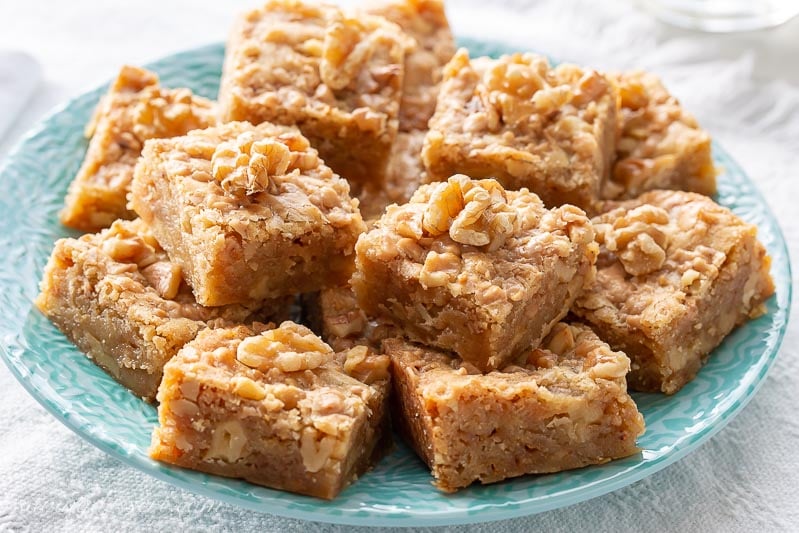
x,y
743,88
19,76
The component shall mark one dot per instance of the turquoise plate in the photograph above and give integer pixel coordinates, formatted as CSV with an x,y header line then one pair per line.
x,y
33,180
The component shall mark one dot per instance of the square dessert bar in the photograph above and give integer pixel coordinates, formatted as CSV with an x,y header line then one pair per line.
x,y
425,21
661,145
564,406
248,212
676,274
278,409
468,267
117,296
337,78
135,109
516,119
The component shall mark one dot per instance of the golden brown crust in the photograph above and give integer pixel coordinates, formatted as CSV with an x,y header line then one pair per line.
x,y
311,431
135,109
296,233
676,274
565,406
661,145
526,124
337,78
468,267
117,296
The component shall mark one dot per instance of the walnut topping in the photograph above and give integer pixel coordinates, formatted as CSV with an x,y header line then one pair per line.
x,y
517,85
129,248
227,442
290,348
439,269
698,267
473,212
164,277
636,239
246,164
162,110
610,366
349,44
362,364
521,76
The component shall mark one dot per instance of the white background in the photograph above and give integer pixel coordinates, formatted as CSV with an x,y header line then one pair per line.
x,y
744,88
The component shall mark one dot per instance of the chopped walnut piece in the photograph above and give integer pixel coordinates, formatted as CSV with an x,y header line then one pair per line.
x,y
247,388
636,239
439,269
129,248
315,453
366,366
560,339
290,348
227,442
246,163
348,46
164,277
610,368
163,110
698,268
473,212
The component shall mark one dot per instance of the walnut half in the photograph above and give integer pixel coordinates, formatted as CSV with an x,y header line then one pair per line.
x,y
245,164
473,212
636,238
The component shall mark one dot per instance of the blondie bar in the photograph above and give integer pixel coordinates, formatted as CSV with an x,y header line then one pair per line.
x,y
117,296
676,274
248,212
661,145
516,119
337,78
468,267
278,408
564,406
425,21
135,109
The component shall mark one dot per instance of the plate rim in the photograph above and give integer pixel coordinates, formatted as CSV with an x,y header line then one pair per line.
x,y
450,516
